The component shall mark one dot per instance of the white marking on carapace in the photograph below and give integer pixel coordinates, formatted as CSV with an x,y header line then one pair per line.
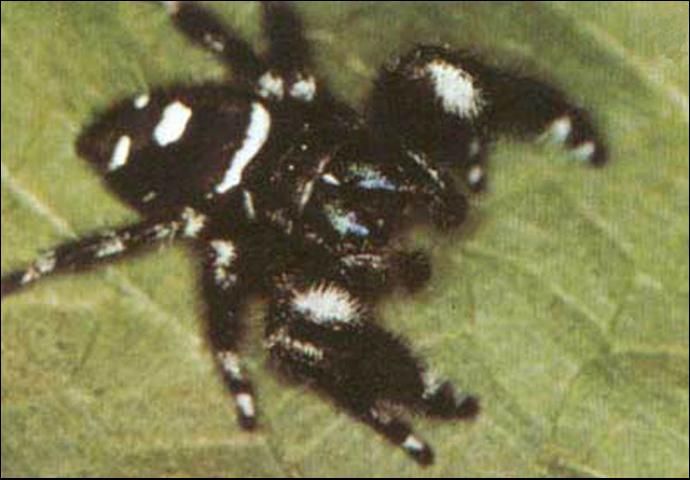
x,y
584,151
271,85
559,130
330,179
327,303
306,194
475,174
194,222
109,247
120,153
245,402
249,204
141,101
455,88
304,89
173,123
149,196
308,188
255,137
230,363
413,444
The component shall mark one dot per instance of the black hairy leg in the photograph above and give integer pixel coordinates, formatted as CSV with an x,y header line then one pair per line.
x,y
320,333
106,247
203,28
225,289
450,104
283,73
370,274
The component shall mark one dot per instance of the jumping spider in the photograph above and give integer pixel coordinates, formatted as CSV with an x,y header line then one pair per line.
x,y
284,190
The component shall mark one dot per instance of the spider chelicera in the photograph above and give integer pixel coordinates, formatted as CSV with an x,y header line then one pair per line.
x,y
284,190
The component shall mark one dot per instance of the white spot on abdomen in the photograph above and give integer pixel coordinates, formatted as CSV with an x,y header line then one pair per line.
x,y
455,88
255,137
173,123
120,153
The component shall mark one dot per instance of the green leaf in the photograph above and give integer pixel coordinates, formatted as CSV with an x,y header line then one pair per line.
x,y
563,303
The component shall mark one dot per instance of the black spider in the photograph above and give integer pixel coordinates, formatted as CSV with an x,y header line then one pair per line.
x,y
284,190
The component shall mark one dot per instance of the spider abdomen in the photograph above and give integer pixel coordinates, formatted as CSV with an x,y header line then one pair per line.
x,y
178,146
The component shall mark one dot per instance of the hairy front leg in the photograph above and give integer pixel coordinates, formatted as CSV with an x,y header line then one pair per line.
x,y
104,247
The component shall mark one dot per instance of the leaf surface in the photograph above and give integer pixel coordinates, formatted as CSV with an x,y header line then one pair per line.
x,y
563,302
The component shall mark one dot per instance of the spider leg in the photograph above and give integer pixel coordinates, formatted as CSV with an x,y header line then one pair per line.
x,y
319,332
371,273
104,247
289,50
204,28
449,105
224,290
531,108
398,432
288,56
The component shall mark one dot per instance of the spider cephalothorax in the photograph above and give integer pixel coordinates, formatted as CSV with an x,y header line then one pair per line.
x,y
284,191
